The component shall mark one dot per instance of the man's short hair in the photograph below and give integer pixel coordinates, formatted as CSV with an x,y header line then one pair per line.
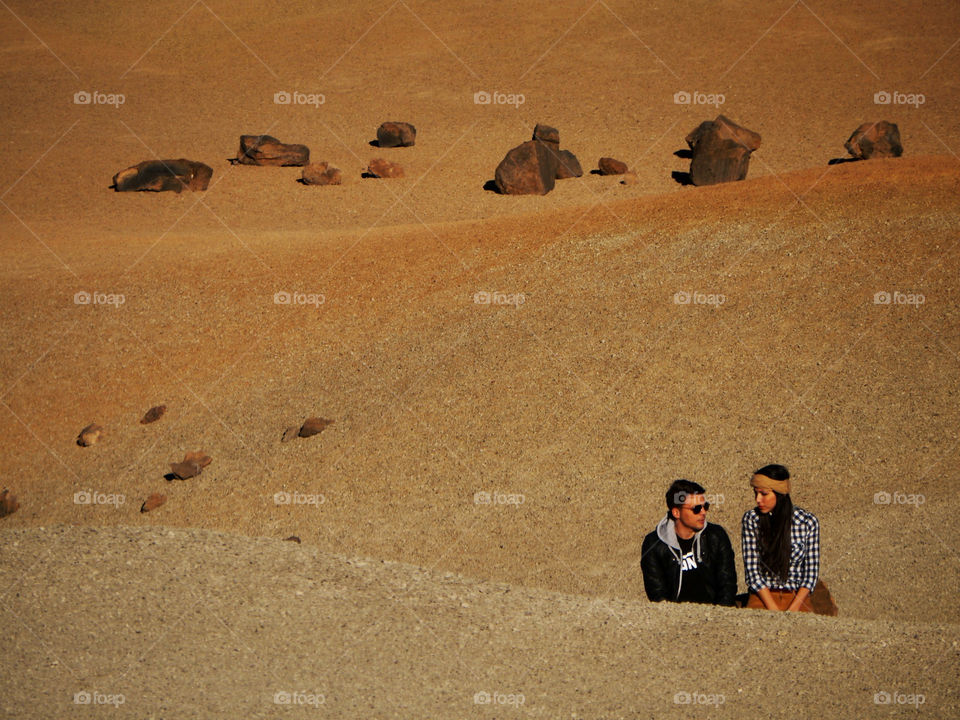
x,y
680,490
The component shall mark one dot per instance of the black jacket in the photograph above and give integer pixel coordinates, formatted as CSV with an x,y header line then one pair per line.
x,y
660,562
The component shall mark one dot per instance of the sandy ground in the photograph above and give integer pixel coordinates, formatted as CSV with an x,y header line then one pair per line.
x,y
571,409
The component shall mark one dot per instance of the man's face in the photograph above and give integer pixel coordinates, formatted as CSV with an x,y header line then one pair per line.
x,y
685,516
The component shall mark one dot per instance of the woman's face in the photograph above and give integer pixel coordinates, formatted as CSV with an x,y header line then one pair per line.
x,y
766,499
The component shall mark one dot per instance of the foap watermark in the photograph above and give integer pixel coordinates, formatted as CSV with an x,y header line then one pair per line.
x,y
482,97
710,499
898,298
282,97
685,297
682,97
298,498
98,298
898,98
498,698
298,697
92,697
496,497
82,97
899,498
698,698
898,698
499,298
282,297
92,497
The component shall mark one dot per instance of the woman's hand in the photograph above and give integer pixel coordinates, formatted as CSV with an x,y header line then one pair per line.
x,y
802,595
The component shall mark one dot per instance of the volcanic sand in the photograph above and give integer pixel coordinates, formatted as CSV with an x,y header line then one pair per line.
x,y
582,397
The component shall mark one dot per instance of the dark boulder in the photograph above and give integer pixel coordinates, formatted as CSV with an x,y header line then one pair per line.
x,y
159,175
721,151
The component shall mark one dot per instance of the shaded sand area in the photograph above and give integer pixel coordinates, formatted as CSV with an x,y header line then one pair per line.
x,y
513,381
172,623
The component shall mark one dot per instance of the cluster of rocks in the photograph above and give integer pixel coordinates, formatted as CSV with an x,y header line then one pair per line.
x,y
720,152
192,464
263,150
533,167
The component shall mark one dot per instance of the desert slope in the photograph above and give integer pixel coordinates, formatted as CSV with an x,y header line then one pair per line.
x,y
587,398
173,622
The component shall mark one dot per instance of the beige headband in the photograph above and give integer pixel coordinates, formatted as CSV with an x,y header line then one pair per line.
x,y
762,481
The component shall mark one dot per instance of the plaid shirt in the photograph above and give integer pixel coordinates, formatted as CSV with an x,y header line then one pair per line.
x,y
804,553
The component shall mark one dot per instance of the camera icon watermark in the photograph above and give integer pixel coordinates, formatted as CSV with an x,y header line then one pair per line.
x,y
482,97
898,298
686,297
282,297
682,97
282,97
82,97
98,298
898,98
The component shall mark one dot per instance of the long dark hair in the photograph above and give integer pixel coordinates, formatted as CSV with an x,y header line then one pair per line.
x,y
774,535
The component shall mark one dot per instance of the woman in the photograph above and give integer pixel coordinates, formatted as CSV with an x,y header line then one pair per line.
x,y
781,545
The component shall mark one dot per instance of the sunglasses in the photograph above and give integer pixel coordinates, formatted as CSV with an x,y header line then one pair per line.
x,y
697,508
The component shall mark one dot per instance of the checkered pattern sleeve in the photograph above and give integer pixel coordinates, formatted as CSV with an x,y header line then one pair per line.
x,y
751,552
807,569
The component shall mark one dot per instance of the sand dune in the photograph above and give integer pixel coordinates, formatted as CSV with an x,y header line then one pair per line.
x,y
639,333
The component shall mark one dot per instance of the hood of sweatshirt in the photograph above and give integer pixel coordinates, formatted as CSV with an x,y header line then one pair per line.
x,y
668,534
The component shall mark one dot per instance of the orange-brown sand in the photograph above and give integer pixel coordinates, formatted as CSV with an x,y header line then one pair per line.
x,y
570,400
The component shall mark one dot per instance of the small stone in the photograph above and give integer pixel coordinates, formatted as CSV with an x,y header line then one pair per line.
x,y
610,166
153,414
192,465
875,140
396,134
153,502
90,435
547,134
8,503
160,175
290,433
629,178
381,168
292,538
321,174
314,426
267,150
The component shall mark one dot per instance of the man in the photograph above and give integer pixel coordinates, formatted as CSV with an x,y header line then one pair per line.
x,y
686,559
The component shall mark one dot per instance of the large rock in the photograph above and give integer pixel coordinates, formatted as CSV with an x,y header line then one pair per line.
x,y
721,151
875,140
568,166
396,134
528,169
267,150
159,175
8,503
